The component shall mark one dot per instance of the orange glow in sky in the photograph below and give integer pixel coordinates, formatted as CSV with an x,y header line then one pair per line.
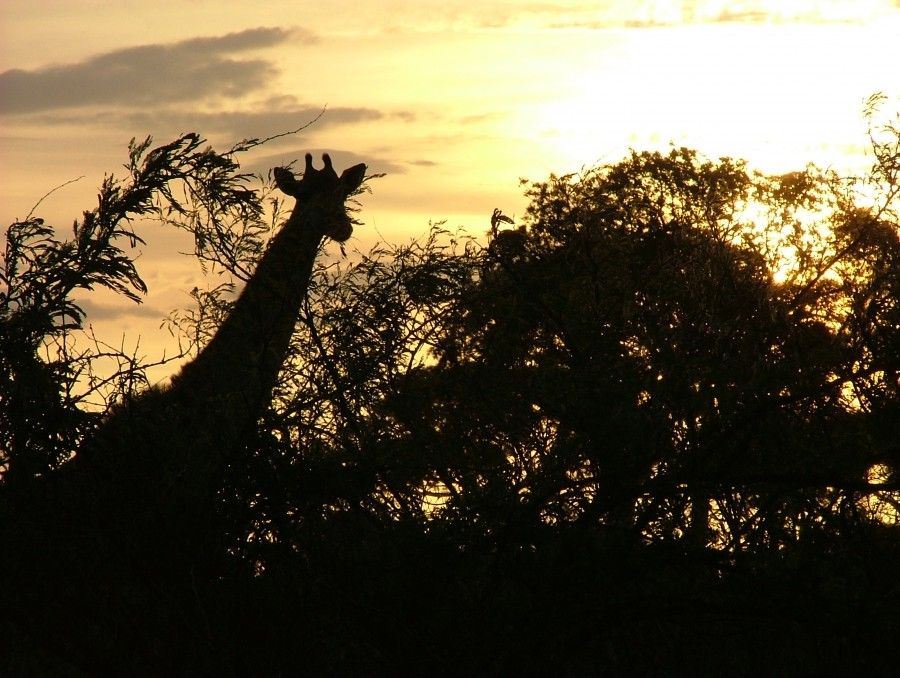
x,y
454,101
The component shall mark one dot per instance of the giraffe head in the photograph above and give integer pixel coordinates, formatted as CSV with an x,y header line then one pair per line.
x,y
324,190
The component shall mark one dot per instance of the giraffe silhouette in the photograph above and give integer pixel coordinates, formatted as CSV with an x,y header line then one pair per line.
x,y
169,446
128,527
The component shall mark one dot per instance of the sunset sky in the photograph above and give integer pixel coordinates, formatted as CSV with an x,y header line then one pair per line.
x,y
455,101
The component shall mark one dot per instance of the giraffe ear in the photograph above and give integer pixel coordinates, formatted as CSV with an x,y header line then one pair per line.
x,y
286,181
352,177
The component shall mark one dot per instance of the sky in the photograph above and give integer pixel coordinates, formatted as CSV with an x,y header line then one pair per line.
x,y
454,101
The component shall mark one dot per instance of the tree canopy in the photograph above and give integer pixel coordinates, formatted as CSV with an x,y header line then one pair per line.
x,y
655,423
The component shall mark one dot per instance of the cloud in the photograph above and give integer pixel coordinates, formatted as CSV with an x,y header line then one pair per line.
x,y
96,311
149,74
658,13
267,118
237,125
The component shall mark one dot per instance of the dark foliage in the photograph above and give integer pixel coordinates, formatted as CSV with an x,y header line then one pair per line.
x,y
652,428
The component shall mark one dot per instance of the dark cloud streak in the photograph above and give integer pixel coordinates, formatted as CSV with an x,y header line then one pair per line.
x,y
270,117
149,74
96,311
247,124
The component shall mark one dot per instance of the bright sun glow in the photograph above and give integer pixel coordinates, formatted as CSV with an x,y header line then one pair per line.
x,y
713,87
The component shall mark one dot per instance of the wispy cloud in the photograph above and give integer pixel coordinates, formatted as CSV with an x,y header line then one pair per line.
x,y
98,311
575,14
268,117
239,125
155,74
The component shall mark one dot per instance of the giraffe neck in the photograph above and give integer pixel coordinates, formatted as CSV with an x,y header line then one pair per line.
x,y
236,372
155,463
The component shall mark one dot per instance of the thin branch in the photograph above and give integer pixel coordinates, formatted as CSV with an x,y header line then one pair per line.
x,y
247,144
51,192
